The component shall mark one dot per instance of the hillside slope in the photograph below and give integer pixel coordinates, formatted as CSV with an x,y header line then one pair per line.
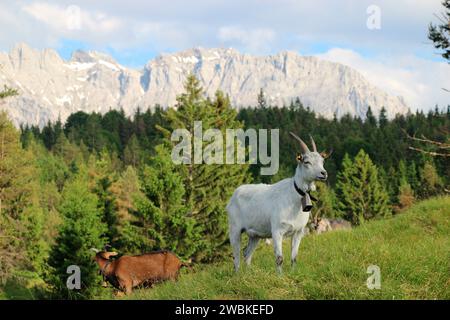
x,y
411,249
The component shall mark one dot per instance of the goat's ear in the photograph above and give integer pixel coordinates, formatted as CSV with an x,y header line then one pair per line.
x,y
299,157
326,154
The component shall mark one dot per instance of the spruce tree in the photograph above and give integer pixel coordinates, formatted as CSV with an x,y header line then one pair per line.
x,y
132,154
359,194
262,102
405,194
101,178
326,202
208,187
413,177
22,218
440,34
162,220
126,191
81,230
430,181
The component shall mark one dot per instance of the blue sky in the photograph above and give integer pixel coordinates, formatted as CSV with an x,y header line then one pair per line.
x,y
397,56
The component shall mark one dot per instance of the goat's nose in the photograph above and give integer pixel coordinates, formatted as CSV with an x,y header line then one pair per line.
x,y
323,173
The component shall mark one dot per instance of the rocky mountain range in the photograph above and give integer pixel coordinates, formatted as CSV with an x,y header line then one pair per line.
x,y
51,87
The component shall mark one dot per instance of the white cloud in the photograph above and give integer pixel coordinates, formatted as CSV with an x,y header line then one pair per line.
x,y
44,24
134,27
254,40
419,81
74,22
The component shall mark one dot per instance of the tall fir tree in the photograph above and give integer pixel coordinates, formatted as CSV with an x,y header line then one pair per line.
x,y
208,187
359,194
262,102
161,219
101,177
440,34
126,191
430,181
82,229
22,219
405,193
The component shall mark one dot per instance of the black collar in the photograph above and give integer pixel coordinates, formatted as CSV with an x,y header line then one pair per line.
x,y
303,193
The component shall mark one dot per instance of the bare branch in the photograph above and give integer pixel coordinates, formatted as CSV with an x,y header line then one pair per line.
x,y
431,153
441,145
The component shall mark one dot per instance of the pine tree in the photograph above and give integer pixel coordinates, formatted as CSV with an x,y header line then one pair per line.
x,y
132,154
440,34
162,220
262,102
208,187
326,202
101,178
431,183
413,178
383,120
405,194
359,194
81,230
126,191
22,219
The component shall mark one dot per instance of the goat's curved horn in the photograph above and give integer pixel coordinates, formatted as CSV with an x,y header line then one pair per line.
x,y
95,250
313,143
303,145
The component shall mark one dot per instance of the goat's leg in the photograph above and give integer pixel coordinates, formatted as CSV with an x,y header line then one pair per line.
x,y
248,252
235,240
278,249
125,285
296,239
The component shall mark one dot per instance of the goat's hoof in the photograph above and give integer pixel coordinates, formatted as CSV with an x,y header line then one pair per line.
x,y
279,261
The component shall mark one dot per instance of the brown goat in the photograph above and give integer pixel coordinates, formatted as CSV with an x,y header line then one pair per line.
x,y
128,272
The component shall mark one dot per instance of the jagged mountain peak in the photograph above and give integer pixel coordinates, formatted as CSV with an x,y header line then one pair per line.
x,y
93,81
82,56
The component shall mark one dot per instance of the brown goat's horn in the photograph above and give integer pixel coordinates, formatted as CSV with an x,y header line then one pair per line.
x,y
313,143
303,145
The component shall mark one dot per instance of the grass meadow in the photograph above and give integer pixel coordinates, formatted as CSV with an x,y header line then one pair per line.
x,y
412,250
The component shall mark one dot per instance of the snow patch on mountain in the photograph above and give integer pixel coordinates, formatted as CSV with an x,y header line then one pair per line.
x,y
50,87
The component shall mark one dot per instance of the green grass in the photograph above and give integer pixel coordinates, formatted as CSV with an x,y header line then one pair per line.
x,y
412,250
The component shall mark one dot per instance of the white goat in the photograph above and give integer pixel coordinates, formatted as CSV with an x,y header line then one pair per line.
x,y
277,210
